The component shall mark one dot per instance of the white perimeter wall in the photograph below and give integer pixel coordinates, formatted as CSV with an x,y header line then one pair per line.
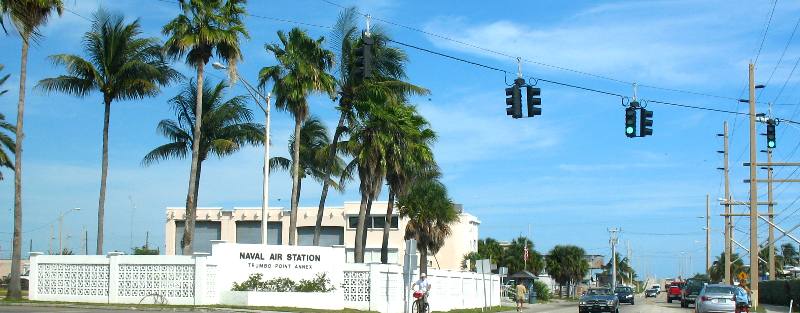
x,y
193,280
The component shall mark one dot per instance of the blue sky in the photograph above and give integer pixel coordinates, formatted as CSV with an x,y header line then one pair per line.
x,y
570,173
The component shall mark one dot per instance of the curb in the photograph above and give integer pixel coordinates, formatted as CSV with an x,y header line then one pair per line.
x,y
133,308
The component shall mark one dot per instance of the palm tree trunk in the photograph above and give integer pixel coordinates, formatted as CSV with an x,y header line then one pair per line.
x,y
366,229
103,175
386,226
358,251
197,178
423,258
295,180
191,201
331,157
14,288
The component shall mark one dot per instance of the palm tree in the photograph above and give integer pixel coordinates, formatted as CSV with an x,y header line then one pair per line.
x,y
3,80
314,142
388,65
790,254
624,269
226,124
717,270
512,257
205,28
567,264
302,69
26,16
430,213
122,66
409,157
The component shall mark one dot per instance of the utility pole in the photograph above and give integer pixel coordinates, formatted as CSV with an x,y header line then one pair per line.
x,y
753,190
52,237
613,241
630,262
728,225
771,265
708,236
84,242
147,239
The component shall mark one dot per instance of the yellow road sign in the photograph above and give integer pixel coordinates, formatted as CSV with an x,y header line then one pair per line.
x,y
742,276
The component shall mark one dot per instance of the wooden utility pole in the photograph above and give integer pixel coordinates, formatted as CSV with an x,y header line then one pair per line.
x,y
728,225
708,235
771,265
753,189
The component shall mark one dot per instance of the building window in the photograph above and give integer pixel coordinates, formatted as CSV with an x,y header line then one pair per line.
x,y
204,232
328,236
373,255
373,222
250,232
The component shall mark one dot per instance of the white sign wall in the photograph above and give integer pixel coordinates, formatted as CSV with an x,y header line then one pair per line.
x,y
236,262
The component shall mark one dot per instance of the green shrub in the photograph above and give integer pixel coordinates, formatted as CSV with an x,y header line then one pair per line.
x,y
779,292
320,283
542,292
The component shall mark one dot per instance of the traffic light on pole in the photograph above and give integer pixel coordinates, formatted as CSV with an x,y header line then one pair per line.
x,y
363,58
630,122
514,101
771,134
645,123
534,101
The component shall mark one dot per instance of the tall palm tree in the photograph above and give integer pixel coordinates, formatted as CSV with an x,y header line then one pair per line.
x,y
790,254
314,142
3,80
624,269
388,65
512,257
227,127
26,16
409,156
430,213
302,69
121,65
205,28
717,271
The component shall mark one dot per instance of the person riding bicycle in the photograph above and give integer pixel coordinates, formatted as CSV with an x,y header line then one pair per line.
x,y
424,286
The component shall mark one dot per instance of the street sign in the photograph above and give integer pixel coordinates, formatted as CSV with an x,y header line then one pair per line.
x,y
742,276
503,271
483,266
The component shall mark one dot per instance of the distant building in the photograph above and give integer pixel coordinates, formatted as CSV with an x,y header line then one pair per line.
x,y
243,225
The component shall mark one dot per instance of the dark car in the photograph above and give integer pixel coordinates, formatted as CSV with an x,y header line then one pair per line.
x,y
625,294
652,292
691,290
599,300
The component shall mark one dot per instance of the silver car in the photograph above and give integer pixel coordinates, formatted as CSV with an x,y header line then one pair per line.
x,y
717,298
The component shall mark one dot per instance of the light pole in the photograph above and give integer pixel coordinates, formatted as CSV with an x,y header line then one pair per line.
x,y
61,226
265,196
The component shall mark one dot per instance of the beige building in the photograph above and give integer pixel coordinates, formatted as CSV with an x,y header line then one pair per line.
x,y
243,225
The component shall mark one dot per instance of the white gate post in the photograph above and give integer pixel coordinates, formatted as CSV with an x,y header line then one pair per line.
x,y
33,276
113,276
200,277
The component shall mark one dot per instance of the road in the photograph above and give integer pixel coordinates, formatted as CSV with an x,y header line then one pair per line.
x,y
649,305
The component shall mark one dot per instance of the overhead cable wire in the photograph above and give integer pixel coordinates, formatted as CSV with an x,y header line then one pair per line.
x,y
766,30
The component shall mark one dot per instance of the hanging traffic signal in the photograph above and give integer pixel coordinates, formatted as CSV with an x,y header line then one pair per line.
x,y
534,101
771,134
363,58
645,122
630,122
514,101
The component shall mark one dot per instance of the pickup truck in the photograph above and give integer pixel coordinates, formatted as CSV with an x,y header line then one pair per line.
x,y
674,291
691,291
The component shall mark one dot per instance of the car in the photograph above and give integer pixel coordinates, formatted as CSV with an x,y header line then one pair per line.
x,y
716,298
674,291
657,288
652,292
625,294
598,300
691,290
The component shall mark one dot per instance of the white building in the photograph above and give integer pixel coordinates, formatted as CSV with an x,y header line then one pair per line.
x,y
243,225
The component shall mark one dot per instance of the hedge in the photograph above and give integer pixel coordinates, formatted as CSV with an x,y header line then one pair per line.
x,y
779,292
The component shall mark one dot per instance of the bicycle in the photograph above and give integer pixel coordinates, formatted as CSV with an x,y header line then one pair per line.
x,y
419,305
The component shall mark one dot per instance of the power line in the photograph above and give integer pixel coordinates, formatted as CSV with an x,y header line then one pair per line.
x,y
766,30
504,54
276,19
780,59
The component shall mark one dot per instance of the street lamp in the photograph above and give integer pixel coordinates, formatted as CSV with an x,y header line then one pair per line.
x,y
265,196
61,226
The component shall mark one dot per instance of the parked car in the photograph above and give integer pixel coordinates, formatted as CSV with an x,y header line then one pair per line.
x,y
651,293
674,291
716,298
625,294
691,290
598,300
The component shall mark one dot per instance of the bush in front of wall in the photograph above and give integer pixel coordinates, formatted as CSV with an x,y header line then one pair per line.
x,y
320,283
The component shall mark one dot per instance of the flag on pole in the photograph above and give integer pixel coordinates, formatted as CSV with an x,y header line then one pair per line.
x,y
525,254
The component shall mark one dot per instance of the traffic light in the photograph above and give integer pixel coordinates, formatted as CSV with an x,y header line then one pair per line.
x,y
771,133
363,58
514,101
630,122
534,101
645,122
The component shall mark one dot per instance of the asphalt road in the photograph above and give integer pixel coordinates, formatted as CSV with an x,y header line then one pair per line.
x,y
649,305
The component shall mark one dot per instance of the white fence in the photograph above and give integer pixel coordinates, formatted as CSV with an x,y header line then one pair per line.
x,y
192,280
